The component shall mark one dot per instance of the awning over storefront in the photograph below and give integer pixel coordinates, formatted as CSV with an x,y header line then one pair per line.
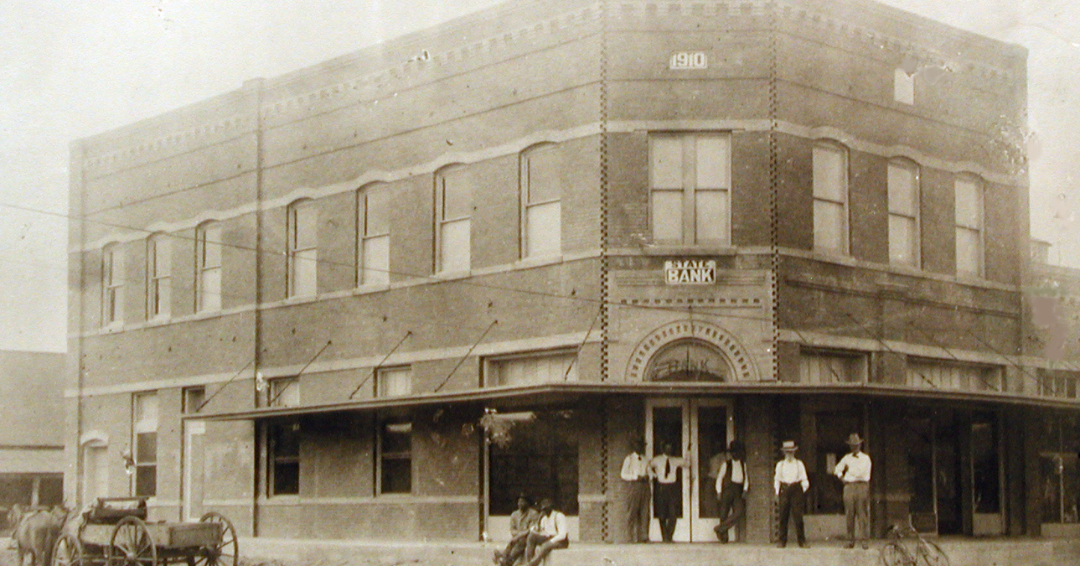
x,y
569,392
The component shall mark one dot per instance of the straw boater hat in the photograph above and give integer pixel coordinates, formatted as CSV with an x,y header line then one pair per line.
x,y
789,446
854,439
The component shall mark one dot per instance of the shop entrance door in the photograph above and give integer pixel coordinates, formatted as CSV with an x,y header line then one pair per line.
x,y
700,429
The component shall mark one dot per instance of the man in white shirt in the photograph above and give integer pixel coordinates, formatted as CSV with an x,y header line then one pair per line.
x,y
854,471
635,472
732,482
668,493
790,483
548,535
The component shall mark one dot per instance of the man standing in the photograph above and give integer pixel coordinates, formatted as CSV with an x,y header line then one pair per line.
x,y
668,493
635,472
854,471
522,521
731,483
790,483
548,535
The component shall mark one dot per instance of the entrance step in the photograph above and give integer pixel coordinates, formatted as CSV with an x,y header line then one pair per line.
x,y
962,552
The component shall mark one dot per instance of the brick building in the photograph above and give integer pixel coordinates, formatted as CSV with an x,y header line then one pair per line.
x,y
378,297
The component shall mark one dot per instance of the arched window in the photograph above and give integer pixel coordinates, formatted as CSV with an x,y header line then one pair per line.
x,y
303,251
208,267
158,277
830,198
541,170
688,359
904,225
112,284
373,235
970,202
453,215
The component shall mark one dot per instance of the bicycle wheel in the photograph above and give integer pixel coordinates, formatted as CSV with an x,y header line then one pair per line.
x,y
893,554
930,554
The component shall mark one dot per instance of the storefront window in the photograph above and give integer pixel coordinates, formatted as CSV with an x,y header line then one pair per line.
x,y
1059,469
540,460
833,428
986,473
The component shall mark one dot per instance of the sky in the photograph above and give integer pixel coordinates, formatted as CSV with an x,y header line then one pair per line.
x,y
70,69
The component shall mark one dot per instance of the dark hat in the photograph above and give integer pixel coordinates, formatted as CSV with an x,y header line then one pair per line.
x,y
854,439
789,446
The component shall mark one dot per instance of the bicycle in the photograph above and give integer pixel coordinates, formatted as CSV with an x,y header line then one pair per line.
x,y
907,547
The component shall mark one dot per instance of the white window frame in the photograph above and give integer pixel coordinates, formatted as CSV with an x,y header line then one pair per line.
x,y
283,392
302,253
444,223
689,188
372,244
384,376
112,285
145,422
951,375
978,230
158,277
492,365
381,455
537,239
911,217
853,364
208,267
825,200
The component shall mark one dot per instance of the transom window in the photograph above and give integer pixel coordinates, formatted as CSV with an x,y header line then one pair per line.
x,y
932,374
284,392
903,213
830,198
303,252
690,188
193,399
542,171
158,277
453,210
208,267
373,235
531,369
903,86
393,382
824,367
969,226
688,359
112,285
144,431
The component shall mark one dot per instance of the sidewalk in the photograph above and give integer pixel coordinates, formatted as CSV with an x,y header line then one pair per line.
x,y
962,552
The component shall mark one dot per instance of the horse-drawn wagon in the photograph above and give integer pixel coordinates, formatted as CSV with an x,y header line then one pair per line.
x,y
115,532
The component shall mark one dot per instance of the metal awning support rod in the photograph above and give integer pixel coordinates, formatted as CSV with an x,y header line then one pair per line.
x,y
288,383
466,356
950,352
381,362
226,384
886,346
1007,358
583,340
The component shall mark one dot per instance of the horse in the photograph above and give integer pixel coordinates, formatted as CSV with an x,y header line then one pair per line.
x,y
36,533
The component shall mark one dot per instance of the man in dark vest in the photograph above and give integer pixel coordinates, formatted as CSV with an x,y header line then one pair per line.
x,y
667,495
732,481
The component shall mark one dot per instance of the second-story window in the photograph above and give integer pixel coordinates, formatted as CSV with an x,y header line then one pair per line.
x,y
373,235
903,213
690,188
541,208
830,198
158,277
969,226
208,267
453,211
144,433
303,252
112,285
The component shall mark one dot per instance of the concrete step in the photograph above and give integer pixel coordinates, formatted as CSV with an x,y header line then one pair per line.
x,y
962,552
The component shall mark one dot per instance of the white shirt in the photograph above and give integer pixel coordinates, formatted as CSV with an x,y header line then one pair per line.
x,y
554,525
634,467
854,467
790,472
659,465
738,475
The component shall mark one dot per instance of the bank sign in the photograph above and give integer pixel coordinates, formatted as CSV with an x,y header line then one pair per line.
x,y
690,271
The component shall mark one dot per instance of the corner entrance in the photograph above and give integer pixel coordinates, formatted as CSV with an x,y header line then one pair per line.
x,y
700,429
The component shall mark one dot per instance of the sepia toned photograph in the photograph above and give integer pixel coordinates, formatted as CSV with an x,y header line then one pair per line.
x,y
540,283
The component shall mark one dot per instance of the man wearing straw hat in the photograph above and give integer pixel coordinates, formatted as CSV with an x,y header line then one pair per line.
x,y
790,484
854,471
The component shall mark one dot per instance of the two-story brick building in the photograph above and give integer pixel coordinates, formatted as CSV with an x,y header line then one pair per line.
x,y
378,297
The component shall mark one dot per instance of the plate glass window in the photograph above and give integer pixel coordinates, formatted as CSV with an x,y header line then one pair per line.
x,y
373,227
690,188
969,227
112,285
453,209
830,199
144,431
208,267
158,277
395,457
303,252
903,180
284,456
542,181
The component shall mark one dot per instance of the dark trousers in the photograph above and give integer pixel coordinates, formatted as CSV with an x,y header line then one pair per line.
x,y
732,509
637,511
514,549
668,498
537,546
791,503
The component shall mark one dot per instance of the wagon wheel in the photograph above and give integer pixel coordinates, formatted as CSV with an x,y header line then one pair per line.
x,y
67,551
131,545
226,551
